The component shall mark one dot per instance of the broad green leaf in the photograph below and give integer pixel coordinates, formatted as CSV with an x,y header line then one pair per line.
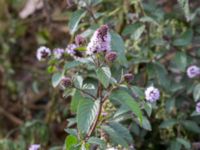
x,y
146,124
131,28
196,92
75,19
72,64
86,114
124,98
148,108
114,136
78,81
56,78
97,141
122,131
104,75
136,35
191,126
184,142
75,101
175,145
117,44
168,123
70,142
181,61
185,39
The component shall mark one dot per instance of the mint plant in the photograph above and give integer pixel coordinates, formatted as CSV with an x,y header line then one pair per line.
x,y
101,98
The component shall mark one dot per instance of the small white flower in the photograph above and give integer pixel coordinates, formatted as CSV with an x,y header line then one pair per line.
x,y
42,53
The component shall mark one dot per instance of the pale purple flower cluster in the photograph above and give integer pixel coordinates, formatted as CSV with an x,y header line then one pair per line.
x,y
152,94
100,41
34,147
71,49
198,107
43,53
58,53
193,71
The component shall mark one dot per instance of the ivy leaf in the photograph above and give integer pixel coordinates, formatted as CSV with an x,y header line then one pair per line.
x,y
75,19
86,113
124,98
56,78
104,75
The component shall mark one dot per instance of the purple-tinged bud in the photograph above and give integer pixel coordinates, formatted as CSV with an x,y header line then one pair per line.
x,y
100,41
79,40
43,53
34,147
58,53
128,77
152,94
65,82
111,56
193,71
198,107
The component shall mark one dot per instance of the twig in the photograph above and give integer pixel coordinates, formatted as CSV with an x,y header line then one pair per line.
x,y
11,117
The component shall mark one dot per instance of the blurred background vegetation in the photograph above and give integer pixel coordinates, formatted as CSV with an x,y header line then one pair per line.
x,y
161,37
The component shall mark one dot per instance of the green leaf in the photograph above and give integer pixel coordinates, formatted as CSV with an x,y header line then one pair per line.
x,y
75,101
196,92
174,145
104,75
136,35
97,141
72,64
124,98
168,123
122,131
78,81
75,19
185,39
70,142
114,136
146,124
117,44
191,126
184,142
56,78
181,61
148,108
86,114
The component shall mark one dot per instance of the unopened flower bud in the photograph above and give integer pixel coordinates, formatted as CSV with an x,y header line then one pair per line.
x,y
128,77
111,56
152,94
79,40
198,107
43,53
193,71
65,82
